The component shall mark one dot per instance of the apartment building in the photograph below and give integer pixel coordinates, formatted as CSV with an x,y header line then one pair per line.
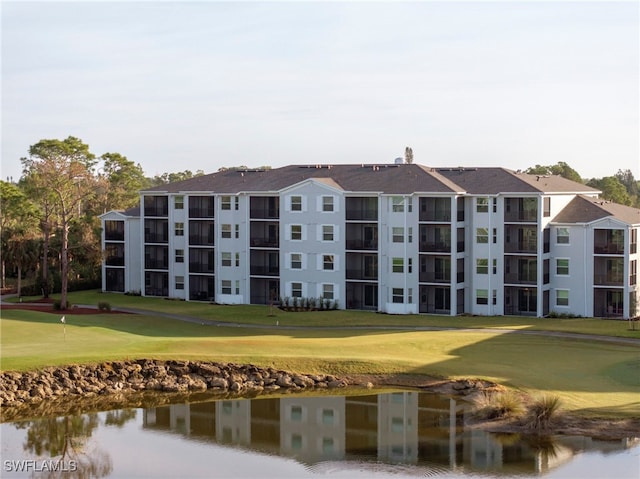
x,y
394,238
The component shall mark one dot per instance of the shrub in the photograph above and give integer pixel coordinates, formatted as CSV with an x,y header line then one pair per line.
x,y
499,404
104,306
542,411
57,305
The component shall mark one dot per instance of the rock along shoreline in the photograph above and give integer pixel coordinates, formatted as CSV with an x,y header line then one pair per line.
x,y
116,378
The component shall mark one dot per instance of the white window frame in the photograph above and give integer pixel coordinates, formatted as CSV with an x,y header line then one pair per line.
x,y
482,204
297,289
397,295
225,286
295,206
562,301
328,204
328,259
225,259
225,203
397,234
482,235
179,255
397,204
328,291
225,230
397,265
179,282
178,202
291,232
292,260
325,234
562,238
482,266
178,228
558,267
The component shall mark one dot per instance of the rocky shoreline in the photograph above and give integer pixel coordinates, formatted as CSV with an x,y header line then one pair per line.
x,y
143,383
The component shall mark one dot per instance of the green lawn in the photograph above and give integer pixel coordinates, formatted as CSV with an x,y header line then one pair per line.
x,y
589,376
263,315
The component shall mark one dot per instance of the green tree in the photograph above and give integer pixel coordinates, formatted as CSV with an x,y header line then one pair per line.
x,y
559,169
17,221
612,189
166,178
631,184
122,180
61,171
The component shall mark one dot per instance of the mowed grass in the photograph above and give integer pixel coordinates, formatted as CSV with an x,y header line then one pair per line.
x,y
589,376
265,315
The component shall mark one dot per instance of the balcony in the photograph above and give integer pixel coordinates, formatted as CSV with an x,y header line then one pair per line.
x,y
156,257
156,206
197,267
201,260
435,269
156,231
361,236
260,270
435,210
264,207
201,233
521,239
521,210
264,263
114,254
264,235
363,267
435,239
114,230
201,207
361,209
608,271
521,271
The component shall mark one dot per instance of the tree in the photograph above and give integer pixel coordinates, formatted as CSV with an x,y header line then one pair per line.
x,y
408,155
17,220
167,178
61,172
559,169
122,180
612,189
632,186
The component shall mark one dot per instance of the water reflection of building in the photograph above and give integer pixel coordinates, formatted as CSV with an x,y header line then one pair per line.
x,y
411,428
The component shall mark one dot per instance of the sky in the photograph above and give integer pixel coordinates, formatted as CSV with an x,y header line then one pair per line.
x,y
202,85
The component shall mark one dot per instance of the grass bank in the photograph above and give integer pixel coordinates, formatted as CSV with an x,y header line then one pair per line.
x,y
590,377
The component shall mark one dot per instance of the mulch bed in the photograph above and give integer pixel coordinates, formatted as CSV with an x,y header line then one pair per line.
x,y
45,305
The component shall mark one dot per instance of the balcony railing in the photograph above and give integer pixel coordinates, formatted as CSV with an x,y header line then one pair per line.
x,y
201,240
433,277
610,248
201,212
362,274
199,267
265,242
521,216
521,247
150,263
114,260
515,278
366,214
364,245
264,270
610,279
264,213
437,247
156,238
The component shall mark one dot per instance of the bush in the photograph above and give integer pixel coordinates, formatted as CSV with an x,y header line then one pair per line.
x,y
104,306
542,411
499,404
57,305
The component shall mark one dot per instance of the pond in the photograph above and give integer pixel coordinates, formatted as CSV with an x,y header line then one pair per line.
x,y
373,435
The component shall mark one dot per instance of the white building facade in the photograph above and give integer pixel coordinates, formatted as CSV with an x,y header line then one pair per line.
x,y
399,239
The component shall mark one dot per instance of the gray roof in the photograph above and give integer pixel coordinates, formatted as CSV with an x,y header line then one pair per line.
x,y
390,179
491,181
401,179
587,210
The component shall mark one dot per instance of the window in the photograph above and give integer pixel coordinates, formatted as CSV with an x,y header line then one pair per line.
x,y
562,236
226,231
327,291
482,266
562,266
397,204
296,261
179,253
296,232
296,203
296,290
633,272
482,235
226,202
495,235
178,202
327,262
495,266
546,206
296,413
482,296
397,295
226,260
482,205
397,234
495,205
410,234
495,296
179,229
327,416
237,286
237,202
179,282
327,232
397,265
226,286
237,231
327,203
409,265
237,260
562,297
410,295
